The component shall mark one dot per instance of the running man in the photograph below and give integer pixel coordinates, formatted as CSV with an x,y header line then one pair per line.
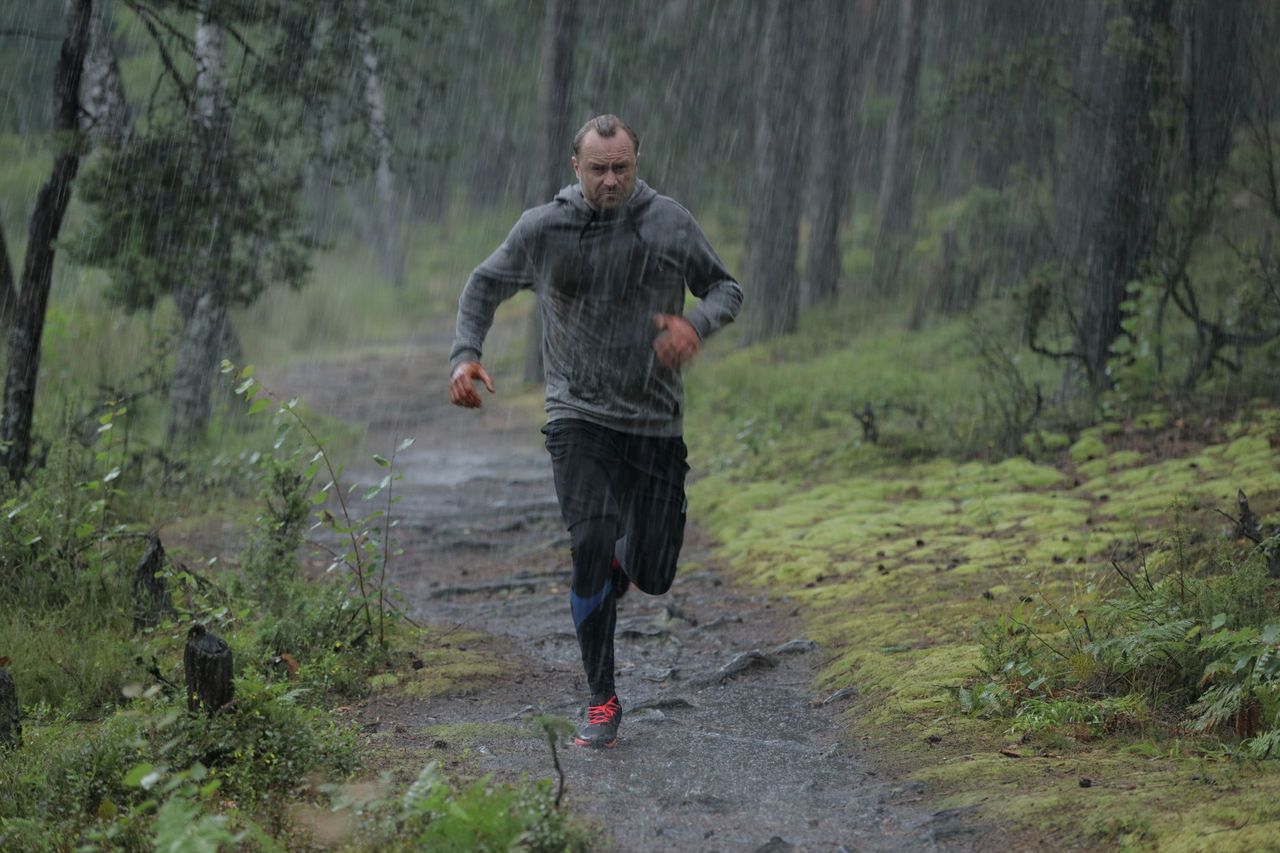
x,y
609,260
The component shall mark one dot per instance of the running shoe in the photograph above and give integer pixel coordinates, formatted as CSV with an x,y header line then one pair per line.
x,y
601,728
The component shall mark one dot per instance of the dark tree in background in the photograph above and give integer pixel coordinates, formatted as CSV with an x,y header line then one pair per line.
x,y
555,86
8,290
1125,198
37,267
829,172
773,223
900,165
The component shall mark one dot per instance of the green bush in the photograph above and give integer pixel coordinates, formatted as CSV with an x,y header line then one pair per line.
x,y
67,778
262,748
1192,648
434,814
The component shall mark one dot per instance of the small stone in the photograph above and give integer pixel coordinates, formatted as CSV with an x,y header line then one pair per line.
x,y
796,647
646,715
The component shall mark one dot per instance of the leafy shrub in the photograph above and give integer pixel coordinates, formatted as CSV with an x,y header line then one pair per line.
x,y
262,748
68,776
433,814
271,560
1196,650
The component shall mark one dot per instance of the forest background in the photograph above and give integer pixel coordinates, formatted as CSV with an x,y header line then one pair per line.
x,y
1006,367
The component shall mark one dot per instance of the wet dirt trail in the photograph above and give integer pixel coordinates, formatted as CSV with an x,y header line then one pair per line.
x,y
724,744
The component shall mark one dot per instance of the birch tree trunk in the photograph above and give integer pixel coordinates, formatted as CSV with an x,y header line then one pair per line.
x,y
391,252
555,86
106,115
774,220
204,302
901,166
37,267
831,148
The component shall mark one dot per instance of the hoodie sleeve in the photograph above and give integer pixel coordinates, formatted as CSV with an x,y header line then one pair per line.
x,y
719,295
504,273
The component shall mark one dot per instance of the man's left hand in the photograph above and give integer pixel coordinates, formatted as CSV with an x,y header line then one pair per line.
x,y
677,343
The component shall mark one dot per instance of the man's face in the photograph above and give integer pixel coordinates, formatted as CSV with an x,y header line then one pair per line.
x,y
606,168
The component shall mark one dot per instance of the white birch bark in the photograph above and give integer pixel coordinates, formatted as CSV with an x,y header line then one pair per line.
x,y
106,115
206,336
387,237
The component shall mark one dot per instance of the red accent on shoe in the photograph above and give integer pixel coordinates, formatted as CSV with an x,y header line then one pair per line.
x,y
598,715
602,722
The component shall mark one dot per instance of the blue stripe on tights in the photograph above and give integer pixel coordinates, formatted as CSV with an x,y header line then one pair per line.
x,y
584,607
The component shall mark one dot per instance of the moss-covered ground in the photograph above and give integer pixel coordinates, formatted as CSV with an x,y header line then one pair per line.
x,y
897,554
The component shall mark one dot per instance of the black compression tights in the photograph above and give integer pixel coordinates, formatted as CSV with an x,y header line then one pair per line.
x,y
621,495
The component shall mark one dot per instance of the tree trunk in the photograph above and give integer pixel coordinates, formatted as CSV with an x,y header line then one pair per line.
x,y
774,218
901,163
8,293
37,266
106,116
206,662
830,148
10,712
1126,201
204,305
555,87
391,251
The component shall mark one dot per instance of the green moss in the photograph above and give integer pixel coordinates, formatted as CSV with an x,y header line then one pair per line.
x,y
905,554
463,664
1089,446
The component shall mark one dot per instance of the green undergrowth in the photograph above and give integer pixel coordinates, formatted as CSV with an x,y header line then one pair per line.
x,y
906,554
111,756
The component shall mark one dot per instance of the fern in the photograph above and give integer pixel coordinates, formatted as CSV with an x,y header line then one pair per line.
x,y
1170,641
1216,706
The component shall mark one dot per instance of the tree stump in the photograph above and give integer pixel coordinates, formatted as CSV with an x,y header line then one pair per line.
x,y
10,718
151,593
207,662
1248,526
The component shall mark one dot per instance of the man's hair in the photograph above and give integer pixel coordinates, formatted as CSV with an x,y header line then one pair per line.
x,y
606,126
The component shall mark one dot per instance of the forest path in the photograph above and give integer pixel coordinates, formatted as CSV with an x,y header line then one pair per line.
x,y
750,761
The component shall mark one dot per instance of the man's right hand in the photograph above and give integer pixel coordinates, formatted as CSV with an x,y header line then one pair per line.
x,y
462,388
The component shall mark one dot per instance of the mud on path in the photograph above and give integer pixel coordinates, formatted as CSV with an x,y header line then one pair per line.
x,y
724,745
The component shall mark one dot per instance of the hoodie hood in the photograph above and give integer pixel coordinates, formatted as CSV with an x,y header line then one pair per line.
x,y
641,197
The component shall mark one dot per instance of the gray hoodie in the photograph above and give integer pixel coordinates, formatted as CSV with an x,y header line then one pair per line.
x,y
599,280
